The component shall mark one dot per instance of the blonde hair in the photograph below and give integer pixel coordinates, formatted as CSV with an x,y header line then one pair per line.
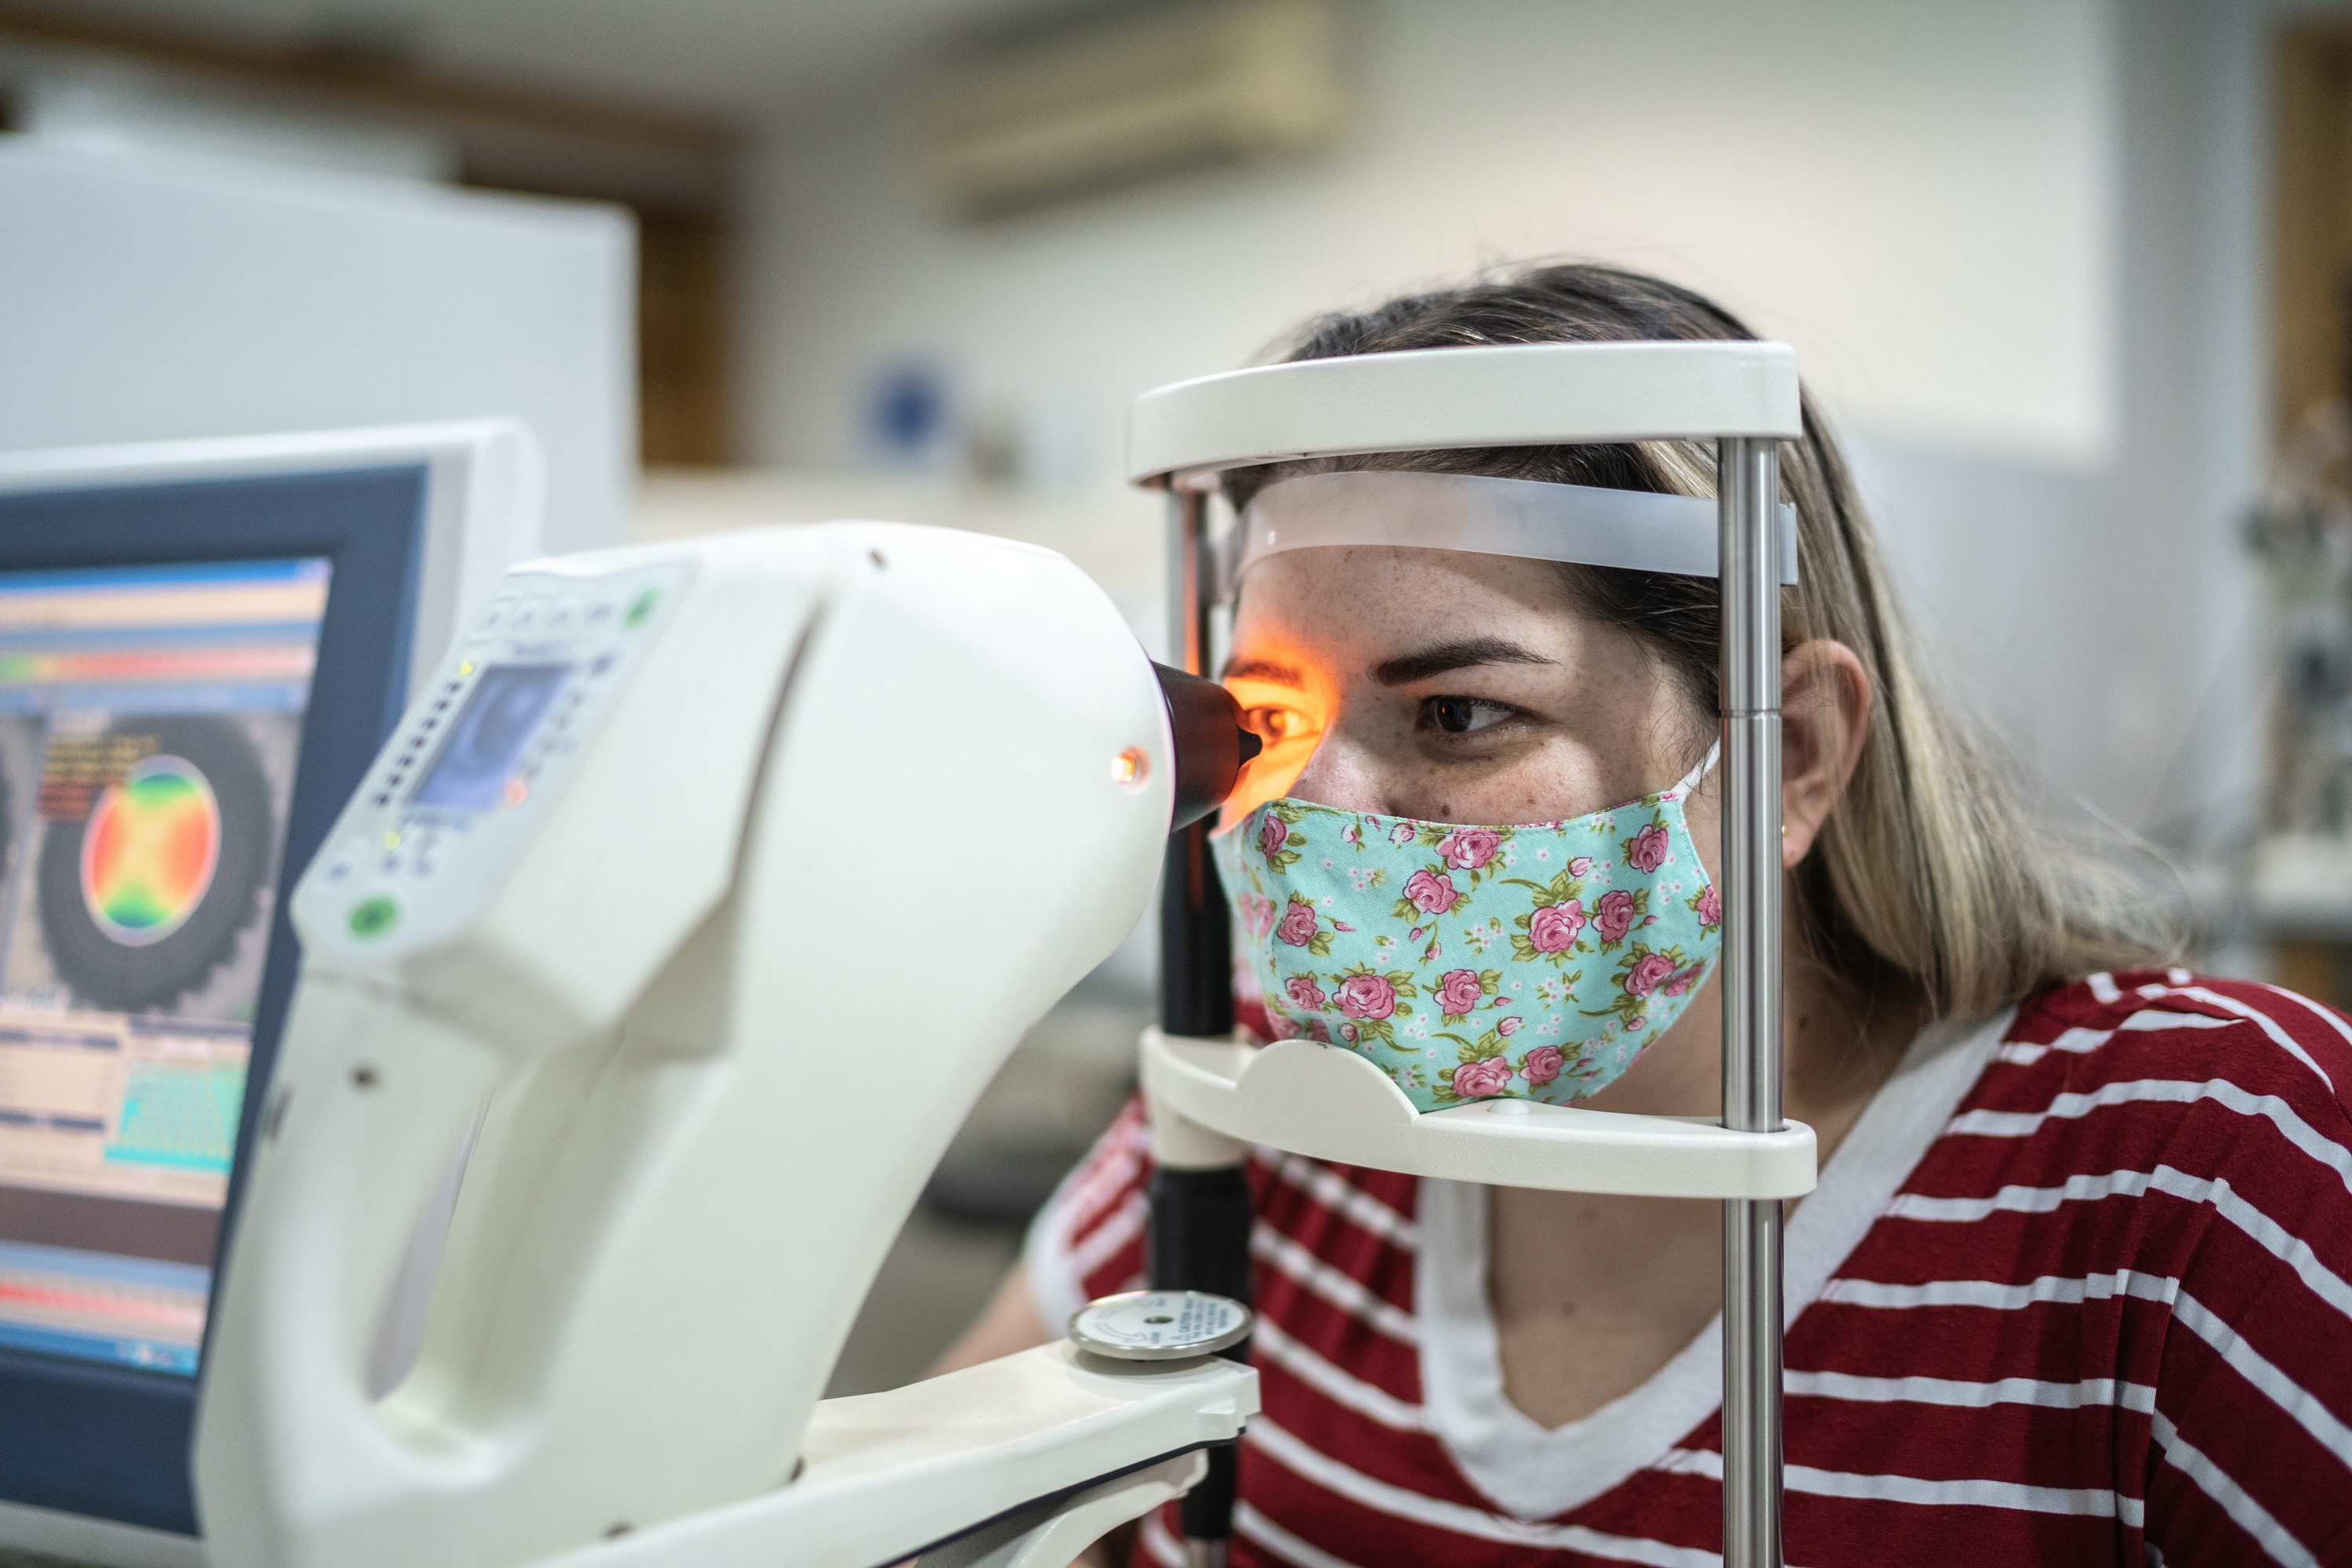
x,y
1929,872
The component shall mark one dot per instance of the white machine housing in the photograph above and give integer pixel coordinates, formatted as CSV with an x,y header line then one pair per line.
x,y
809,827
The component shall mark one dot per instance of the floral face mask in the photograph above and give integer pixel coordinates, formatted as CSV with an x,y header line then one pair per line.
x,y
1528,962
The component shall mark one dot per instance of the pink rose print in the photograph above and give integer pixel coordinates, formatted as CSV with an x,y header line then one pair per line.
x,y
1554,928
1304,993
1347,1033
1298,926
1647,851
1271,835
1580,867
1648,974
1709,907
1507,1027
1367,996
1400,834
1614,914
1282,1026
1257,915
1458,991
1473,1080
1682,982
1431,893
1351,834
1542,1066
1468,849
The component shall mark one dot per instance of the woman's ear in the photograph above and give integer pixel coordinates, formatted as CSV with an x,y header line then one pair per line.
x,y
1824,716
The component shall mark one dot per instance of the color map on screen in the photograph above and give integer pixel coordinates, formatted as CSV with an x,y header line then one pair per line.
x,y
150,719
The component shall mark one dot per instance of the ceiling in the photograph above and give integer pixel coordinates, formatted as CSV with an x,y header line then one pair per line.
x,y
728,57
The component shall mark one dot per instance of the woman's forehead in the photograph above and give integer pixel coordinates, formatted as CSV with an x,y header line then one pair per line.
x,y
1372,597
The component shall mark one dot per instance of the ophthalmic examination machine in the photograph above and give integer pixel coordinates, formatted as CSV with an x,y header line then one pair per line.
x,y
618,910
682,900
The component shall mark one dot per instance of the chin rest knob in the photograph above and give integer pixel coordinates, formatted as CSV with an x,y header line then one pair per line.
x,y
1210,744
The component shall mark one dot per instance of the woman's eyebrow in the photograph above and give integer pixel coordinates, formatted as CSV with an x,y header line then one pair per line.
x,y
1429,661
1262,669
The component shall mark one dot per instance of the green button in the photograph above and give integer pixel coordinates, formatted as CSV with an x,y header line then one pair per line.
x,y
374,917
640,607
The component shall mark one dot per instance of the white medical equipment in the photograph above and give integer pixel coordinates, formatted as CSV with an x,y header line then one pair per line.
x,y
700,867
716,811
1211,1096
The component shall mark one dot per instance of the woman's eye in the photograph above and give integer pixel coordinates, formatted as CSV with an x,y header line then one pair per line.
x,y
1461,715
1275,725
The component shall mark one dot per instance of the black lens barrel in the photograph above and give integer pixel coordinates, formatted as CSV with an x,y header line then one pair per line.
x,y
1210,744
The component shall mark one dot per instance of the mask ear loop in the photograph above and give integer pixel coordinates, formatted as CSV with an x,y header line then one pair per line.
x,y
1691,780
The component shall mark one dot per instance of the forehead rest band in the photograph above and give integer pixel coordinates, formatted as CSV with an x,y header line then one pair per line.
x,y
1639,531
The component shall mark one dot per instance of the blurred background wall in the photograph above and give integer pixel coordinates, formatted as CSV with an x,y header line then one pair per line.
x,y
2061,272
1996,233
1921,195
2020,246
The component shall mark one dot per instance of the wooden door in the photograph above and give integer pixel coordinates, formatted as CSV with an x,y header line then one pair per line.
x,y
2311,333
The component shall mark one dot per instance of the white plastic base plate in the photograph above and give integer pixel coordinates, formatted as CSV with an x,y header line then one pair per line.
x,y
888,1475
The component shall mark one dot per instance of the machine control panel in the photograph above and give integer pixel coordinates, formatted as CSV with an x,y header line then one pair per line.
x,y
451,795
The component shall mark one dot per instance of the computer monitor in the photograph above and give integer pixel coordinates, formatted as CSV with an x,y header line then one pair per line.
x,y
202,646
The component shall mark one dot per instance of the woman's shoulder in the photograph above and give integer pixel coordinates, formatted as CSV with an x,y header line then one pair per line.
x,y
2156,1059
2168,1021
2127,1254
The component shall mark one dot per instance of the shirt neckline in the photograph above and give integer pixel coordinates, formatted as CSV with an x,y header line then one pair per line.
x,y
1537,1472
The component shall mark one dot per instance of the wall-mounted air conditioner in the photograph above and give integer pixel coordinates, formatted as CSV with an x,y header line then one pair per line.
x,y
1150,94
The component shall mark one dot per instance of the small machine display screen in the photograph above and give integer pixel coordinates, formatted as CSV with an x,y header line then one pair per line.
x,y
506,708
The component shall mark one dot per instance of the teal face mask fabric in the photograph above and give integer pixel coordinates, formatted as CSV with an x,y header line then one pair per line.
x,y
1524,962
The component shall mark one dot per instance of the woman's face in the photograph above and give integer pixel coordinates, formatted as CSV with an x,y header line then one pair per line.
x,y
1445,687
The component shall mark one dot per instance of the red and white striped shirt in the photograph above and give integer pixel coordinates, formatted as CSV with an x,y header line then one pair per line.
x,y
2077,1288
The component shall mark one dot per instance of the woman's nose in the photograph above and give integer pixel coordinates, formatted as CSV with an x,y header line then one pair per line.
x,y
1340,776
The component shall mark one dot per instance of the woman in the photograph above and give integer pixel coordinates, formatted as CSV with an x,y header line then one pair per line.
x,y
2074,1285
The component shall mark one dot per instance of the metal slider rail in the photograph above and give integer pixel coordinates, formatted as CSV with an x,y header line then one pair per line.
x,y
1746,486
1208,1094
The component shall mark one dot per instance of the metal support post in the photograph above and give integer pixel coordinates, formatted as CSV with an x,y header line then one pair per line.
x,y
1196,987
1198,1232
1747,487
1189,587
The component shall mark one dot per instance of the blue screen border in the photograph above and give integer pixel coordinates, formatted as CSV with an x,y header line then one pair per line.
x,y
112,1441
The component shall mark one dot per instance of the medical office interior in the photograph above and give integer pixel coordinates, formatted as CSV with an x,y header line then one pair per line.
x,y
2072,279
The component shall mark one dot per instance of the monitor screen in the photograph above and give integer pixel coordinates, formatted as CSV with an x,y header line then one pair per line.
x,y
150,722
